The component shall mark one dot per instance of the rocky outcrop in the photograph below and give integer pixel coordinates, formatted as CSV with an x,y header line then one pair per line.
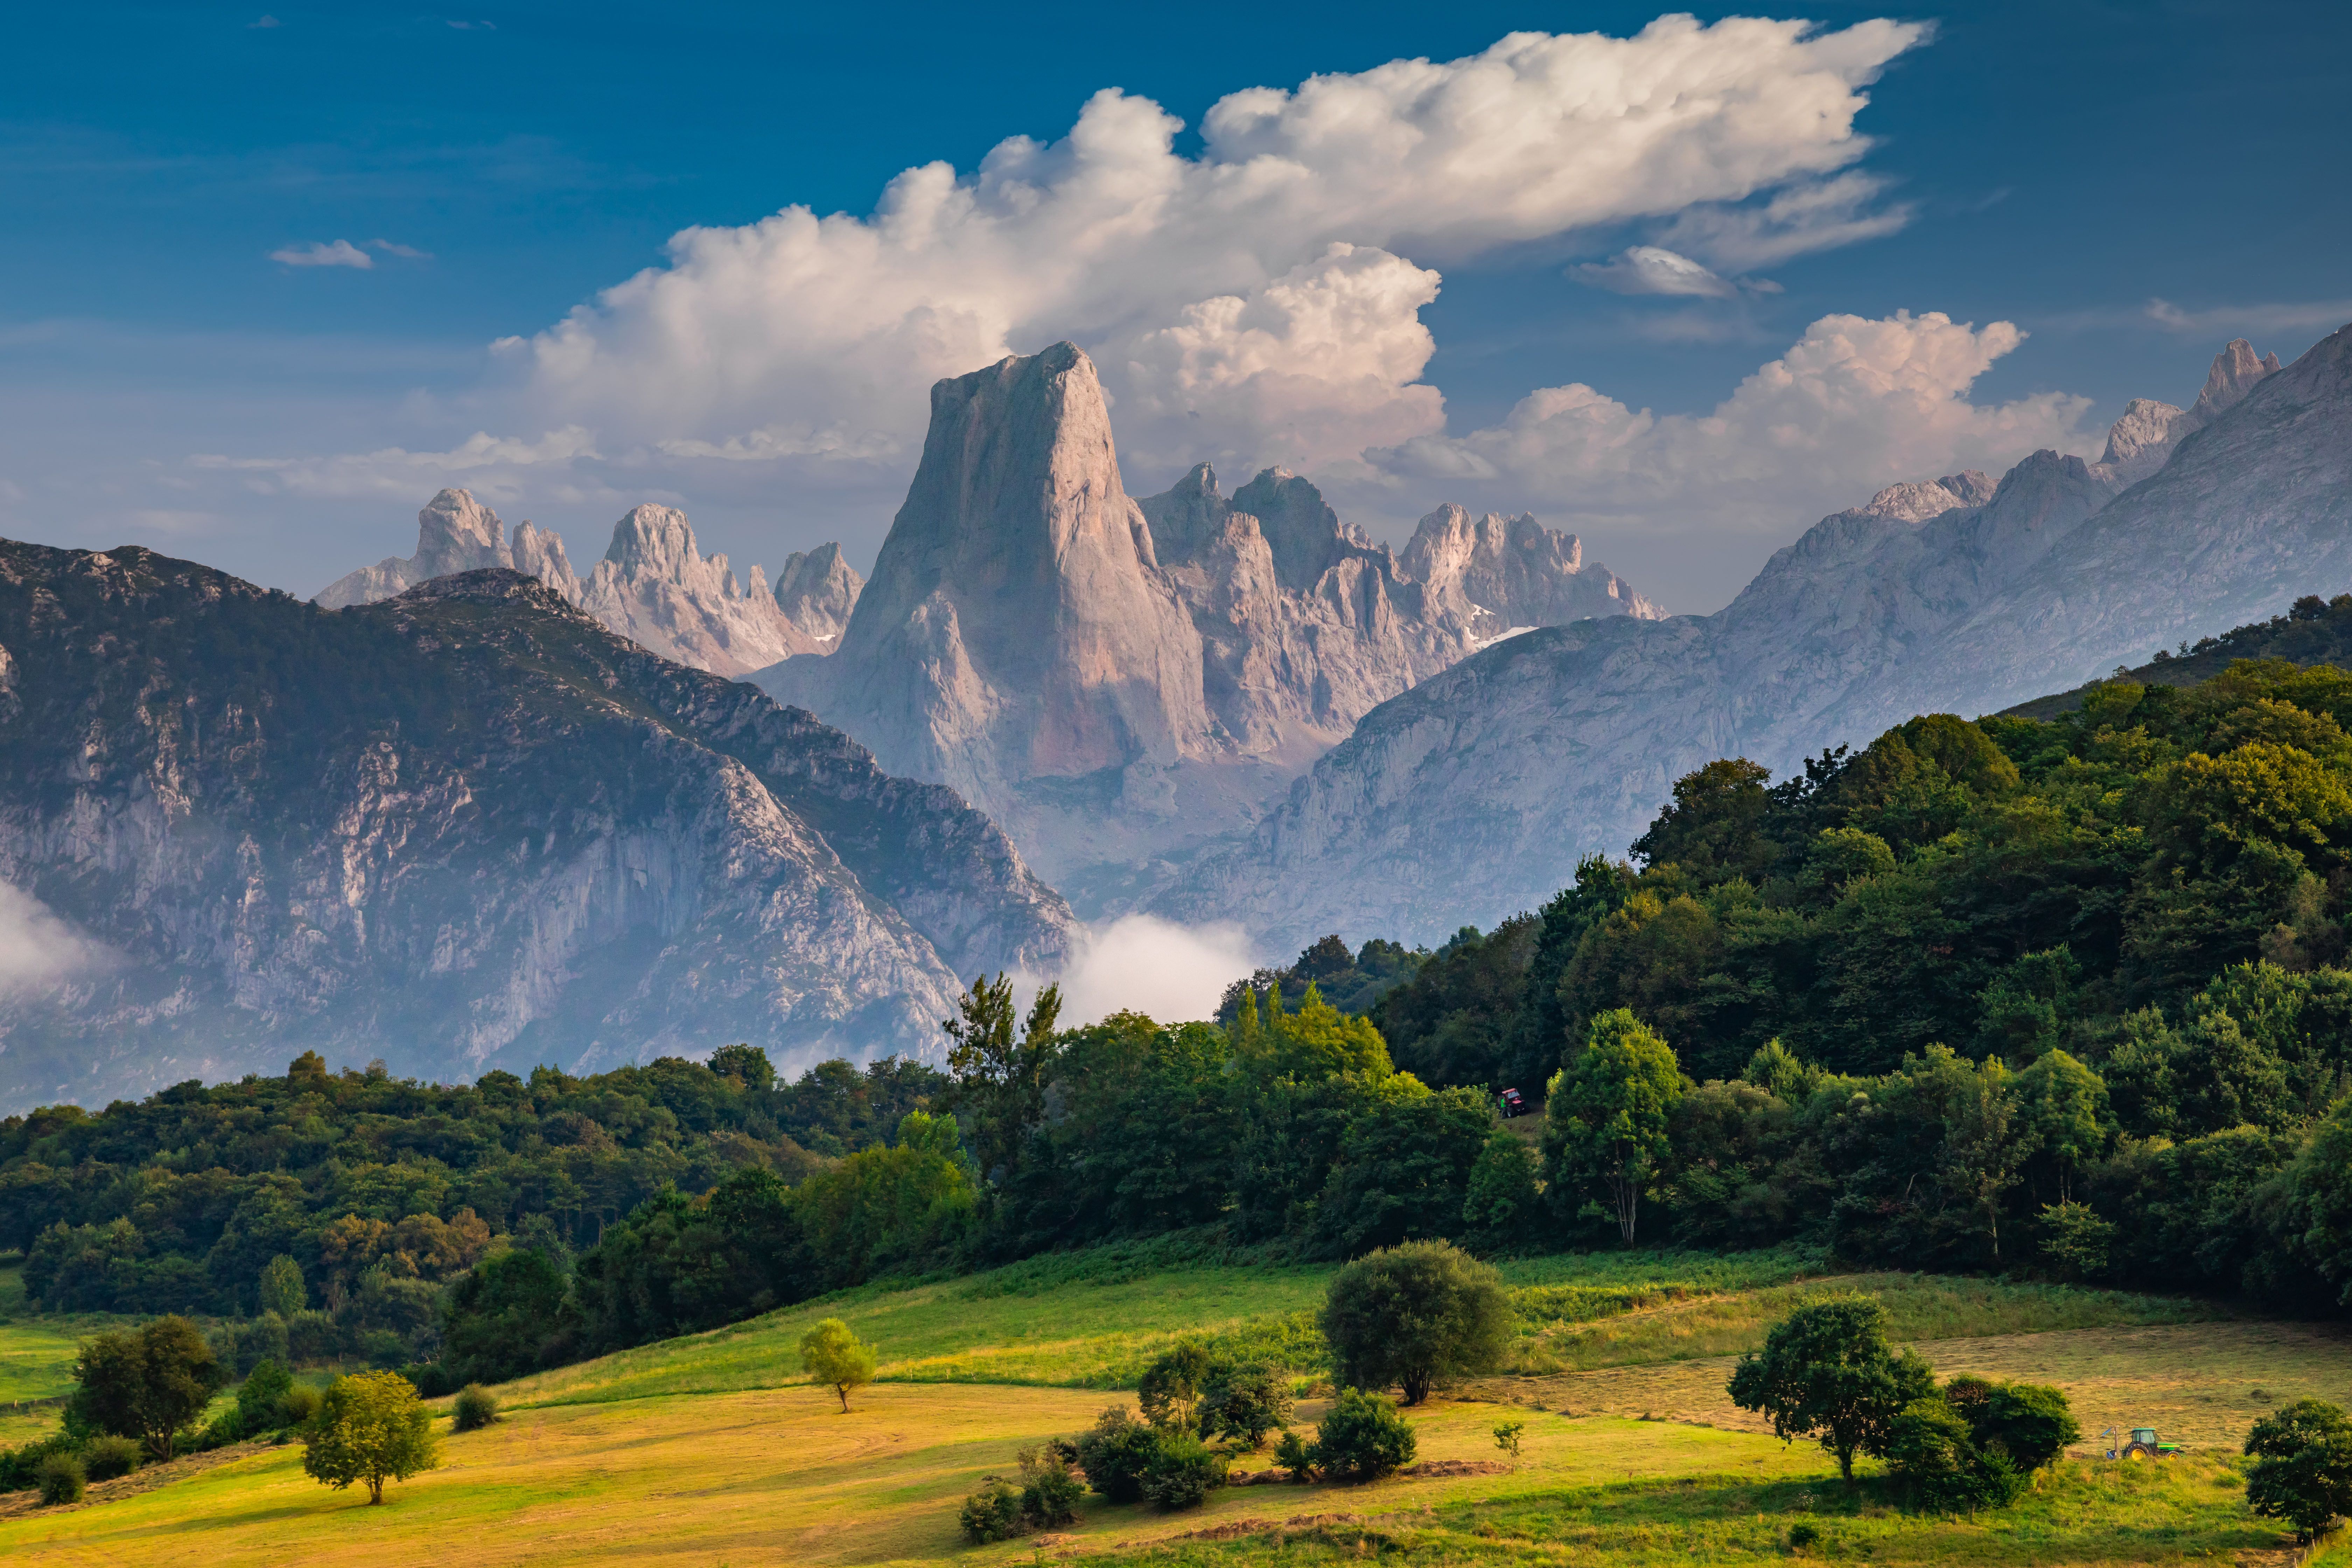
x,y
1498,575
464,827
1119,681
1473,795
653,586
2145,436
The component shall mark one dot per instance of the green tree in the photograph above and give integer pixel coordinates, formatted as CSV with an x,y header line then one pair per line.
x,y
372,1430
2303,1467
1415,1314
1362,1439
1713,829
282,1290
1499,1205
999,1090
1170,1389
747,1064
837,1358
261,1398
1933,1450
1402,1166
2063,1107
1608,1118
149,1382
1826,1372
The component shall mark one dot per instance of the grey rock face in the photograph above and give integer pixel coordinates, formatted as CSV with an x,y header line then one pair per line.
x,y
1473,795
1118,679
464,827
653,586
1499,573
817,591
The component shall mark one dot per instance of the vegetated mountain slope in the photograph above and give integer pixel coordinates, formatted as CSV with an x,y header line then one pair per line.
x,y
1118,679
2312,631
463,827
1475,793
654,587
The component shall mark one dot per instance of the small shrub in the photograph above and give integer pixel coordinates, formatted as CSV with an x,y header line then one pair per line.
x,y
1294,1454
1181,1471
1050,1493
1506,1437
1804,1535
476,1408
991,1513
60,1480
1115,1452
1362,1439
107,1457
1933,1450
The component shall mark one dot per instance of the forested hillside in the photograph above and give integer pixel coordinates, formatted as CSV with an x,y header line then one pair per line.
x,y
2059,998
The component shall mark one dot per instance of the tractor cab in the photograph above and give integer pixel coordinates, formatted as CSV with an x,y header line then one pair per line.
x,y
1510,1104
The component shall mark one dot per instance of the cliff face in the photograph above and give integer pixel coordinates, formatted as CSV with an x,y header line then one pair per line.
x,y
466,827
1118,680
1473,795
653,586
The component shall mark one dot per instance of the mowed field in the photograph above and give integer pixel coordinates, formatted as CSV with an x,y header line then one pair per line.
x,y
713,1451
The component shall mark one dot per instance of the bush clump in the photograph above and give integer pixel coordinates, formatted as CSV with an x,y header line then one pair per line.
x,y
476,1408
1243,1404
298,1407
60,1480
107,1457
1362,1438
1181,1471
1115,1454
991,1513
2303,1467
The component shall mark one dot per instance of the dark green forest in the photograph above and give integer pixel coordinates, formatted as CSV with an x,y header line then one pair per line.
x,y
2059,999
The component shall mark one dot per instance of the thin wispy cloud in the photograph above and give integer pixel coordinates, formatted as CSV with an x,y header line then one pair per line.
x,y
389,249
2284,316
341,253
263,22
1651,270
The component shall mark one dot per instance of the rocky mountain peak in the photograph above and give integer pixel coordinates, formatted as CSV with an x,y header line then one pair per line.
x,y
817,591
2236,371
654,585
1306,537
1496,573
2138,443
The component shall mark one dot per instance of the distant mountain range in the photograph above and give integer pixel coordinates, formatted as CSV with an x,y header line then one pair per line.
x,y
1473,795
462,828
1121,681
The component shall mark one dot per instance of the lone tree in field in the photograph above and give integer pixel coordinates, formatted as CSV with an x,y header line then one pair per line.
x,y
1606,1121
1827,1372
149,1382
2303,1467
1413,1314
369,1428
837,1358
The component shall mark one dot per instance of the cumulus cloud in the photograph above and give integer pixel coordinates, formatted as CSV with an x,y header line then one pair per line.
x,y
1172,973
37,949
1193,275
1855,404
341,253
488,461
1650,269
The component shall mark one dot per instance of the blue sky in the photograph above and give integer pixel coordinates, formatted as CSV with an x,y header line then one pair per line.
x,y
164,381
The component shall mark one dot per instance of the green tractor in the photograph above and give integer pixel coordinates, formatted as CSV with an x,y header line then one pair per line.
x,y
2142,1445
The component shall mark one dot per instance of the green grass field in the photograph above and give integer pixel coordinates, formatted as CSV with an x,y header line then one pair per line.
x,y
713,1451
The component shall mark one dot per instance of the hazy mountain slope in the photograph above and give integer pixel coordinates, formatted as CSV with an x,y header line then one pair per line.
x,y
1473,795
464,827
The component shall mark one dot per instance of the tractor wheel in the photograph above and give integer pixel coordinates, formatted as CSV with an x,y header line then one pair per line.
x,y
2139,1451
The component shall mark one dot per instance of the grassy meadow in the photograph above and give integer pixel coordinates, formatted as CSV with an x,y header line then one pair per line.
x,y
714,1450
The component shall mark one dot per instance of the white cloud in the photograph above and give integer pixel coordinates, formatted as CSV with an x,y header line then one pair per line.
x,y
1170,973
1185,273
487,460
1853,407
38,949
263,22
1649,270
341,253
389,249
